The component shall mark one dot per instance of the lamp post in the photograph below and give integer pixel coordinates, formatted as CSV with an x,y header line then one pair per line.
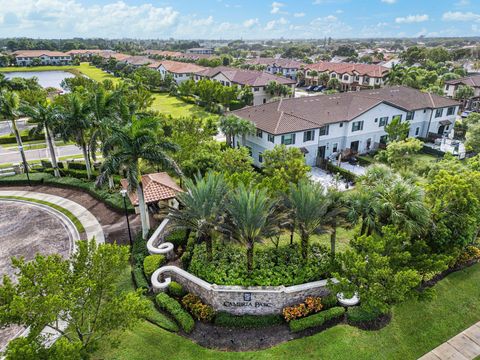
x,y
124,195
25,164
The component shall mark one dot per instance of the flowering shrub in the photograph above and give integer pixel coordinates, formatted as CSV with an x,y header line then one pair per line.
x,y
199,310
470,253
309,306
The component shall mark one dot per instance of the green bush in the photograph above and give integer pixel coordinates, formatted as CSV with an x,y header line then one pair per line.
x,y
197,308
139,278
329,301
176,290
272,266
77,166
159,319
247,321
317,319
152,263
358,315
188,253
139,250
173,307
11,139
347,175
177,238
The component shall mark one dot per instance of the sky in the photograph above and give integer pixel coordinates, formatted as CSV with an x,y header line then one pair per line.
x,y
235,19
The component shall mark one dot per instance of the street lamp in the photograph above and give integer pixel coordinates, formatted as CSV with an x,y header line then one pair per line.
x,y
25,164
124,195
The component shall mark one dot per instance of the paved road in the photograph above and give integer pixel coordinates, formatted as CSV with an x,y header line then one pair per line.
x,y
5,126
9,156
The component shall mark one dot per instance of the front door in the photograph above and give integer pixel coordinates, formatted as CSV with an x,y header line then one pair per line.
x,y
441,129
354,146
321,152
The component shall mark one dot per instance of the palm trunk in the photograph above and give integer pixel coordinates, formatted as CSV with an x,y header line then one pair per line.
x,y
250,258
111,184
87,160
292,233
143,212
333,240
304,245
364,227
19,143
53,156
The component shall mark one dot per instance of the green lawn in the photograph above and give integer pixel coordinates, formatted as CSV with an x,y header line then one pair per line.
x,y
175,107
416,328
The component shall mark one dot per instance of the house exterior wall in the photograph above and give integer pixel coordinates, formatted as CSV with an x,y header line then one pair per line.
x,y
178,77
45,60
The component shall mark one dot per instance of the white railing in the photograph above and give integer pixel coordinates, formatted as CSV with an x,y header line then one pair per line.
x,y
156,244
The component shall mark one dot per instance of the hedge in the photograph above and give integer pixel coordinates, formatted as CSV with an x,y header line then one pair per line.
x,y
347,175
176,290
329,301
317,319
430,151
365,160
139,278
173,307
77,166
159,319
152,263
11,139
177,238
358,315
247,321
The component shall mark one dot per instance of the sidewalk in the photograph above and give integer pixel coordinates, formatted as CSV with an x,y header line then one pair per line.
x,y
464,346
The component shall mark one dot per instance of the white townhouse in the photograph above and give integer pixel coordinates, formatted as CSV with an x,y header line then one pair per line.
x,y
256,80
45,57
180,71
200,51
326,124
451,87
352,77
284,67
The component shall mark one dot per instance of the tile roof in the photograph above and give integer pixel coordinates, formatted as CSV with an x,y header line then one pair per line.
x,y
473,80
38,53
298,114
164,53
245,77
284,63
348,68
156,187
179,67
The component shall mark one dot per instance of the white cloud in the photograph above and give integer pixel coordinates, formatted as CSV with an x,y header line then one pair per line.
x,y
274,24
460,16
299,14
389,1
412,19
250,22
276,6
462,3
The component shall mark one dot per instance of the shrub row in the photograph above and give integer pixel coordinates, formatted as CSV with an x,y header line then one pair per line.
x,y
11,139
358,315
309,306
430,151
159,319
199,310
365,160
176,290
152,263
317,319
173,307
247,321
177,238
347,175
470,253
139,278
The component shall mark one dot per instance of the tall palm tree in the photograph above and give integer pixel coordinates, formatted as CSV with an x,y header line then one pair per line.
x,y
202,207
76,122
9,110
335,216
308,206
362,209
395,75
47,117
126,146
252,217
233,126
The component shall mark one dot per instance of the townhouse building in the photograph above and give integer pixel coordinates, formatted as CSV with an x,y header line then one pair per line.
x,y
284,67
352,77
324,125
41,57
473,103
180,71
256,80
200,51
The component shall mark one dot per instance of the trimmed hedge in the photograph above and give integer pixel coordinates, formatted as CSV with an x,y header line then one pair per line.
x,y
329,301
347,175
139,278
152,263
159,319
430,151
247,321
139,250
317,319
177,238
11,139
173,307
358,315
176,290
365,160
77,166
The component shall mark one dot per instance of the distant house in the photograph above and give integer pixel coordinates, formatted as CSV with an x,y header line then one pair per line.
x,y
324,125
164,53
41,57
256,80
285,67
87,53
451,87
351,76
201,51
180,71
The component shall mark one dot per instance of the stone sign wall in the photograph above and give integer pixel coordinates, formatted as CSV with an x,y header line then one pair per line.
x,y
237,299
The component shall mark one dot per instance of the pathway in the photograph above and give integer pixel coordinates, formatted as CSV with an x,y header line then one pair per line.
x,y
9,156
464,346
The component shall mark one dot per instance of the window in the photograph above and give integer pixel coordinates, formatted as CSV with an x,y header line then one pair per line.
x,y
335,147
264,101
383,121
410,115
308,135
288,139
271,138
397,117
451,111
260,157
323,130
333,75
259,133
256,89
417,131
439,113
341,125
448,87
345,77
357,125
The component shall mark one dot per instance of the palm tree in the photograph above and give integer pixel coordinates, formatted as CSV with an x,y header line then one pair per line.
x,y
76,122
395,75
47,117
335,216
202,207
252,217
308,206
126,146
362,209
232,126
9,109
323,78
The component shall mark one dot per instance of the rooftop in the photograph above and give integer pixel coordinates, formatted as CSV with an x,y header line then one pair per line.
x,y
246,77
473,80
348,68
38,53
284,63
181,67
156,187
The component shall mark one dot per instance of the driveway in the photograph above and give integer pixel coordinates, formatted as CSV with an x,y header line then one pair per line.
x,y
9,156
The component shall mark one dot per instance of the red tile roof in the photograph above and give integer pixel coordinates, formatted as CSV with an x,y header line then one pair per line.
x,y
347,68
246,77
156,187
38,53
179,67
473,80
284,63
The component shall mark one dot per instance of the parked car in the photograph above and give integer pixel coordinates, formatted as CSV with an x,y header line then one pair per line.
x,y
310,88
318,88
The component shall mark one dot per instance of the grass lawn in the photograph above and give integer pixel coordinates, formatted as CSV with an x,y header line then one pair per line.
x,y
416,328
175,107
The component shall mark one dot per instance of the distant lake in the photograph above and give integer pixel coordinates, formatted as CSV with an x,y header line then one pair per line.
x,y
45,78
